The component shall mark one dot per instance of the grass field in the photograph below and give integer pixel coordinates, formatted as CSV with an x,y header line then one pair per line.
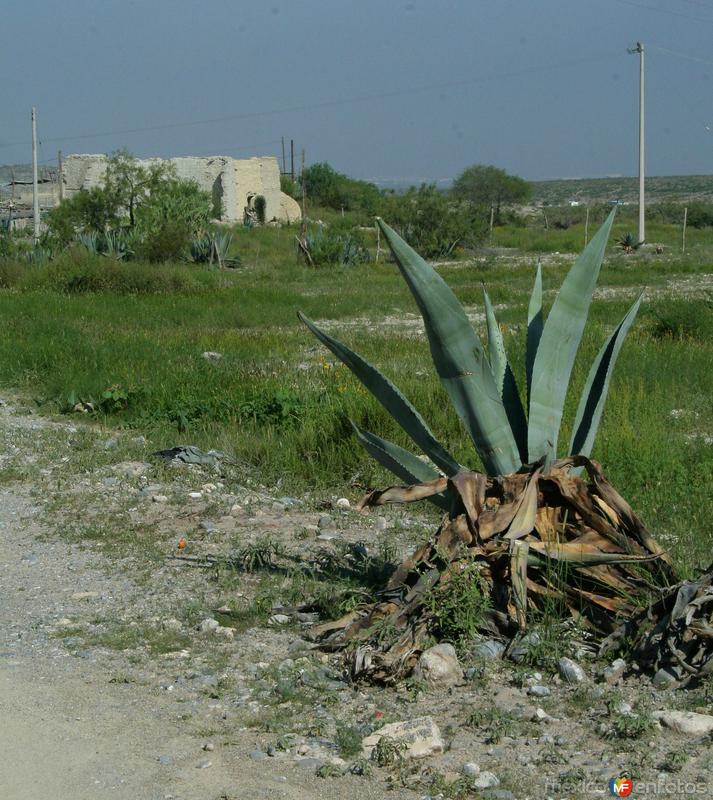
x,y
132,344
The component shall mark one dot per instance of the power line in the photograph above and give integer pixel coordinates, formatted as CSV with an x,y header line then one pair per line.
x,y
327,103
688,57
664,11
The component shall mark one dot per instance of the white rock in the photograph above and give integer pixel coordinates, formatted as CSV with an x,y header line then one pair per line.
x,y
687,722
211,355
226,633
278,619
208,625
420,736
209,488
471,769
614,671
486,780
195,495
236,510
343,503
571,671
85,595
439,667
159,498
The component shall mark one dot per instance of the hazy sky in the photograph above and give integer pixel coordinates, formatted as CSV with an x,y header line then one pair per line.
x,y
382,89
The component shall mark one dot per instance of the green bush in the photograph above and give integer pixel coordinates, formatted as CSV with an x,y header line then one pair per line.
x,y
433,223
10,274
334,246
170,241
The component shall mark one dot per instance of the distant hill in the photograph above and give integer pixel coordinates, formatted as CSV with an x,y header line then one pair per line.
x,y
600,190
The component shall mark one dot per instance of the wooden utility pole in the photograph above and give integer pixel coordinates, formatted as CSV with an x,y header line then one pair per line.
x,y
284,165
302,181
60,175
292,159
35,193
586,228
492,219
683,238
642,206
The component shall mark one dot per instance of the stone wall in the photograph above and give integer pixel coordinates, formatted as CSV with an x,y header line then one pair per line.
x,y
234,183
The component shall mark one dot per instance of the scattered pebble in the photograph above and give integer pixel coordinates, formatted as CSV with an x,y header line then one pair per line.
x,y
343,503
204,764
195,495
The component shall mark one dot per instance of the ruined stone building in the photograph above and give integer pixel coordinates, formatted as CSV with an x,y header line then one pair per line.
x,y
235,184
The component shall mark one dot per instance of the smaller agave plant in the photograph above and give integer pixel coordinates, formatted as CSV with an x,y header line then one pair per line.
x,y
535,530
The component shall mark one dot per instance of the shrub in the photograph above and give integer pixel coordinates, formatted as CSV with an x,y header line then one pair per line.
x,y
334,246
433,223
10,274
171,241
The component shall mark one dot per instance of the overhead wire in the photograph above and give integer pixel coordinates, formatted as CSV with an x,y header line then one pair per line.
x,y
325,104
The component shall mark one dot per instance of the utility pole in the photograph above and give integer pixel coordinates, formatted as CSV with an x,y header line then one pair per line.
x,y
60,175
302,181
35,193
284,166
683,238
642,203
292,159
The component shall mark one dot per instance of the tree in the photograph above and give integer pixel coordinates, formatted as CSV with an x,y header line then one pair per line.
x,y
484,185
128,183
327,187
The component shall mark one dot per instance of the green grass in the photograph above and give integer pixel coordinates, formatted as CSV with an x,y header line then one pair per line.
x,y
278,403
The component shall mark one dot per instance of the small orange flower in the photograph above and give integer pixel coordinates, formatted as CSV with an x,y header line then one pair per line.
x,y
182,544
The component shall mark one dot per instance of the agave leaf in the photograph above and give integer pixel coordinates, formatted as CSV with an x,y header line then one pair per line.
x,y
582,554
389,397
459,359
504,378
534,327
558,346
526,515
402,463
518,578
594,396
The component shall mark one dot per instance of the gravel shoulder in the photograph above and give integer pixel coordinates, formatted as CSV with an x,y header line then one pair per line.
x,y
132,667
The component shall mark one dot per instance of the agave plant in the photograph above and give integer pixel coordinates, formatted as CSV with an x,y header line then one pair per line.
x,y
535,527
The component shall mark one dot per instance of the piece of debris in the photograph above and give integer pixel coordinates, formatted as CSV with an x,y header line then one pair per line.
x,y
419,738
190,454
